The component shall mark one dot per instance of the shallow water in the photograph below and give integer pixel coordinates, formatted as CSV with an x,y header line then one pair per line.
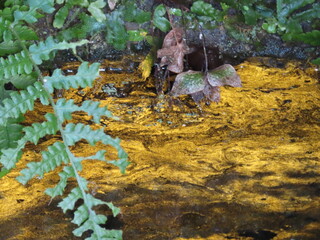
x,y
245,168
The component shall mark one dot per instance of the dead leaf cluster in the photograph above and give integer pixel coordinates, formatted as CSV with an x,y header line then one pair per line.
x,y
173,50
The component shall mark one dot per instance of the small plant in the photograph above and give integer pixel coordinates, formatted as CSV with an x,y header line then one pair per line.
x,y
20,66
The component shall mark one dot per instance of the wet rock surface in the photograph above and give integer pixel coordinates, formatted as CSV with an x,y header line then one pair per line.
x,y
244,168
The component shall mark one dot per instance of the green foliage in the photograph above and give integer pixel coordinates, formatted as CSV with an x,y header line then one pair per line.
x,y
159,20
116,32
19,65
43,50
85,76
285,18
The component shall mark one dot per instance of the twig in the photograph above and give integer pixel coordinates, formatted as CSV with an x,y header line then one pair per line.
x,y
204,50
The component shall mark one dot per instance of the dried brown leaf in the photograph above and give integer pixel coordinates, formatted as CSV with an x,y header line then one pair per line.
x,y
173,50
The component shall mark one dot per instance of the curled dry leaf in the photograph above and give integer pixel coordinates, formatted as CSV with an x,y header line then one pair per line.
x,y
200,85
173,50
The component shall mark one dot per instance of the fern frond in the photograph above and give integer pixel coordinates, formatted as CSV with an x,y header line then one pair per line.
x,y
32,15
100,155
18,63
75,132
44,50
69,202
13,2
23,81
87,219
25,32
5,33
22,102
95,10
9,47
10,133
51,159
61,16
85,76
59,188
64,108
87,26
11,156
93,223
93,109
39,130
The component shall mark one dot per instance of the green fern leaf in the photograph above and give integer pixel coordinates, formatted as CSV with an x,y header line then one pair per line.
x,y
285,8
15,64
31,15
10,133
80,215
39,130
13,2
64,108
92,223
22,102
88,26
11,156
9,47
44,50
59,188
95,10
116,32
100,155
5,33
121,163
98,232
69,202
23,81
85,77
93,109
25,33
61,16
51,159
76,132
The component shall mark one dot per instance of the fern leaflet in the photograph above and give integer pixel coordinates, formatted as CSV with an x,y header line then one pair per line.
x,y
18,63
10,156
59,188
22,102
51,159
39,130
76,132
32,15
85,76
44,50
10,133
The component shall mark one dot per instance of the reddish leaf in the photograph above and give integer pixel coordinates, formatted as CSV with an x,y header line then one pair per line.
x,y
224,75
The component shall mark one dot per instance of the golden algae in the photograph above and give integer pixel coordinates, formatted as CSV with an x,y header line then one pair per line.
x,y
244,168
